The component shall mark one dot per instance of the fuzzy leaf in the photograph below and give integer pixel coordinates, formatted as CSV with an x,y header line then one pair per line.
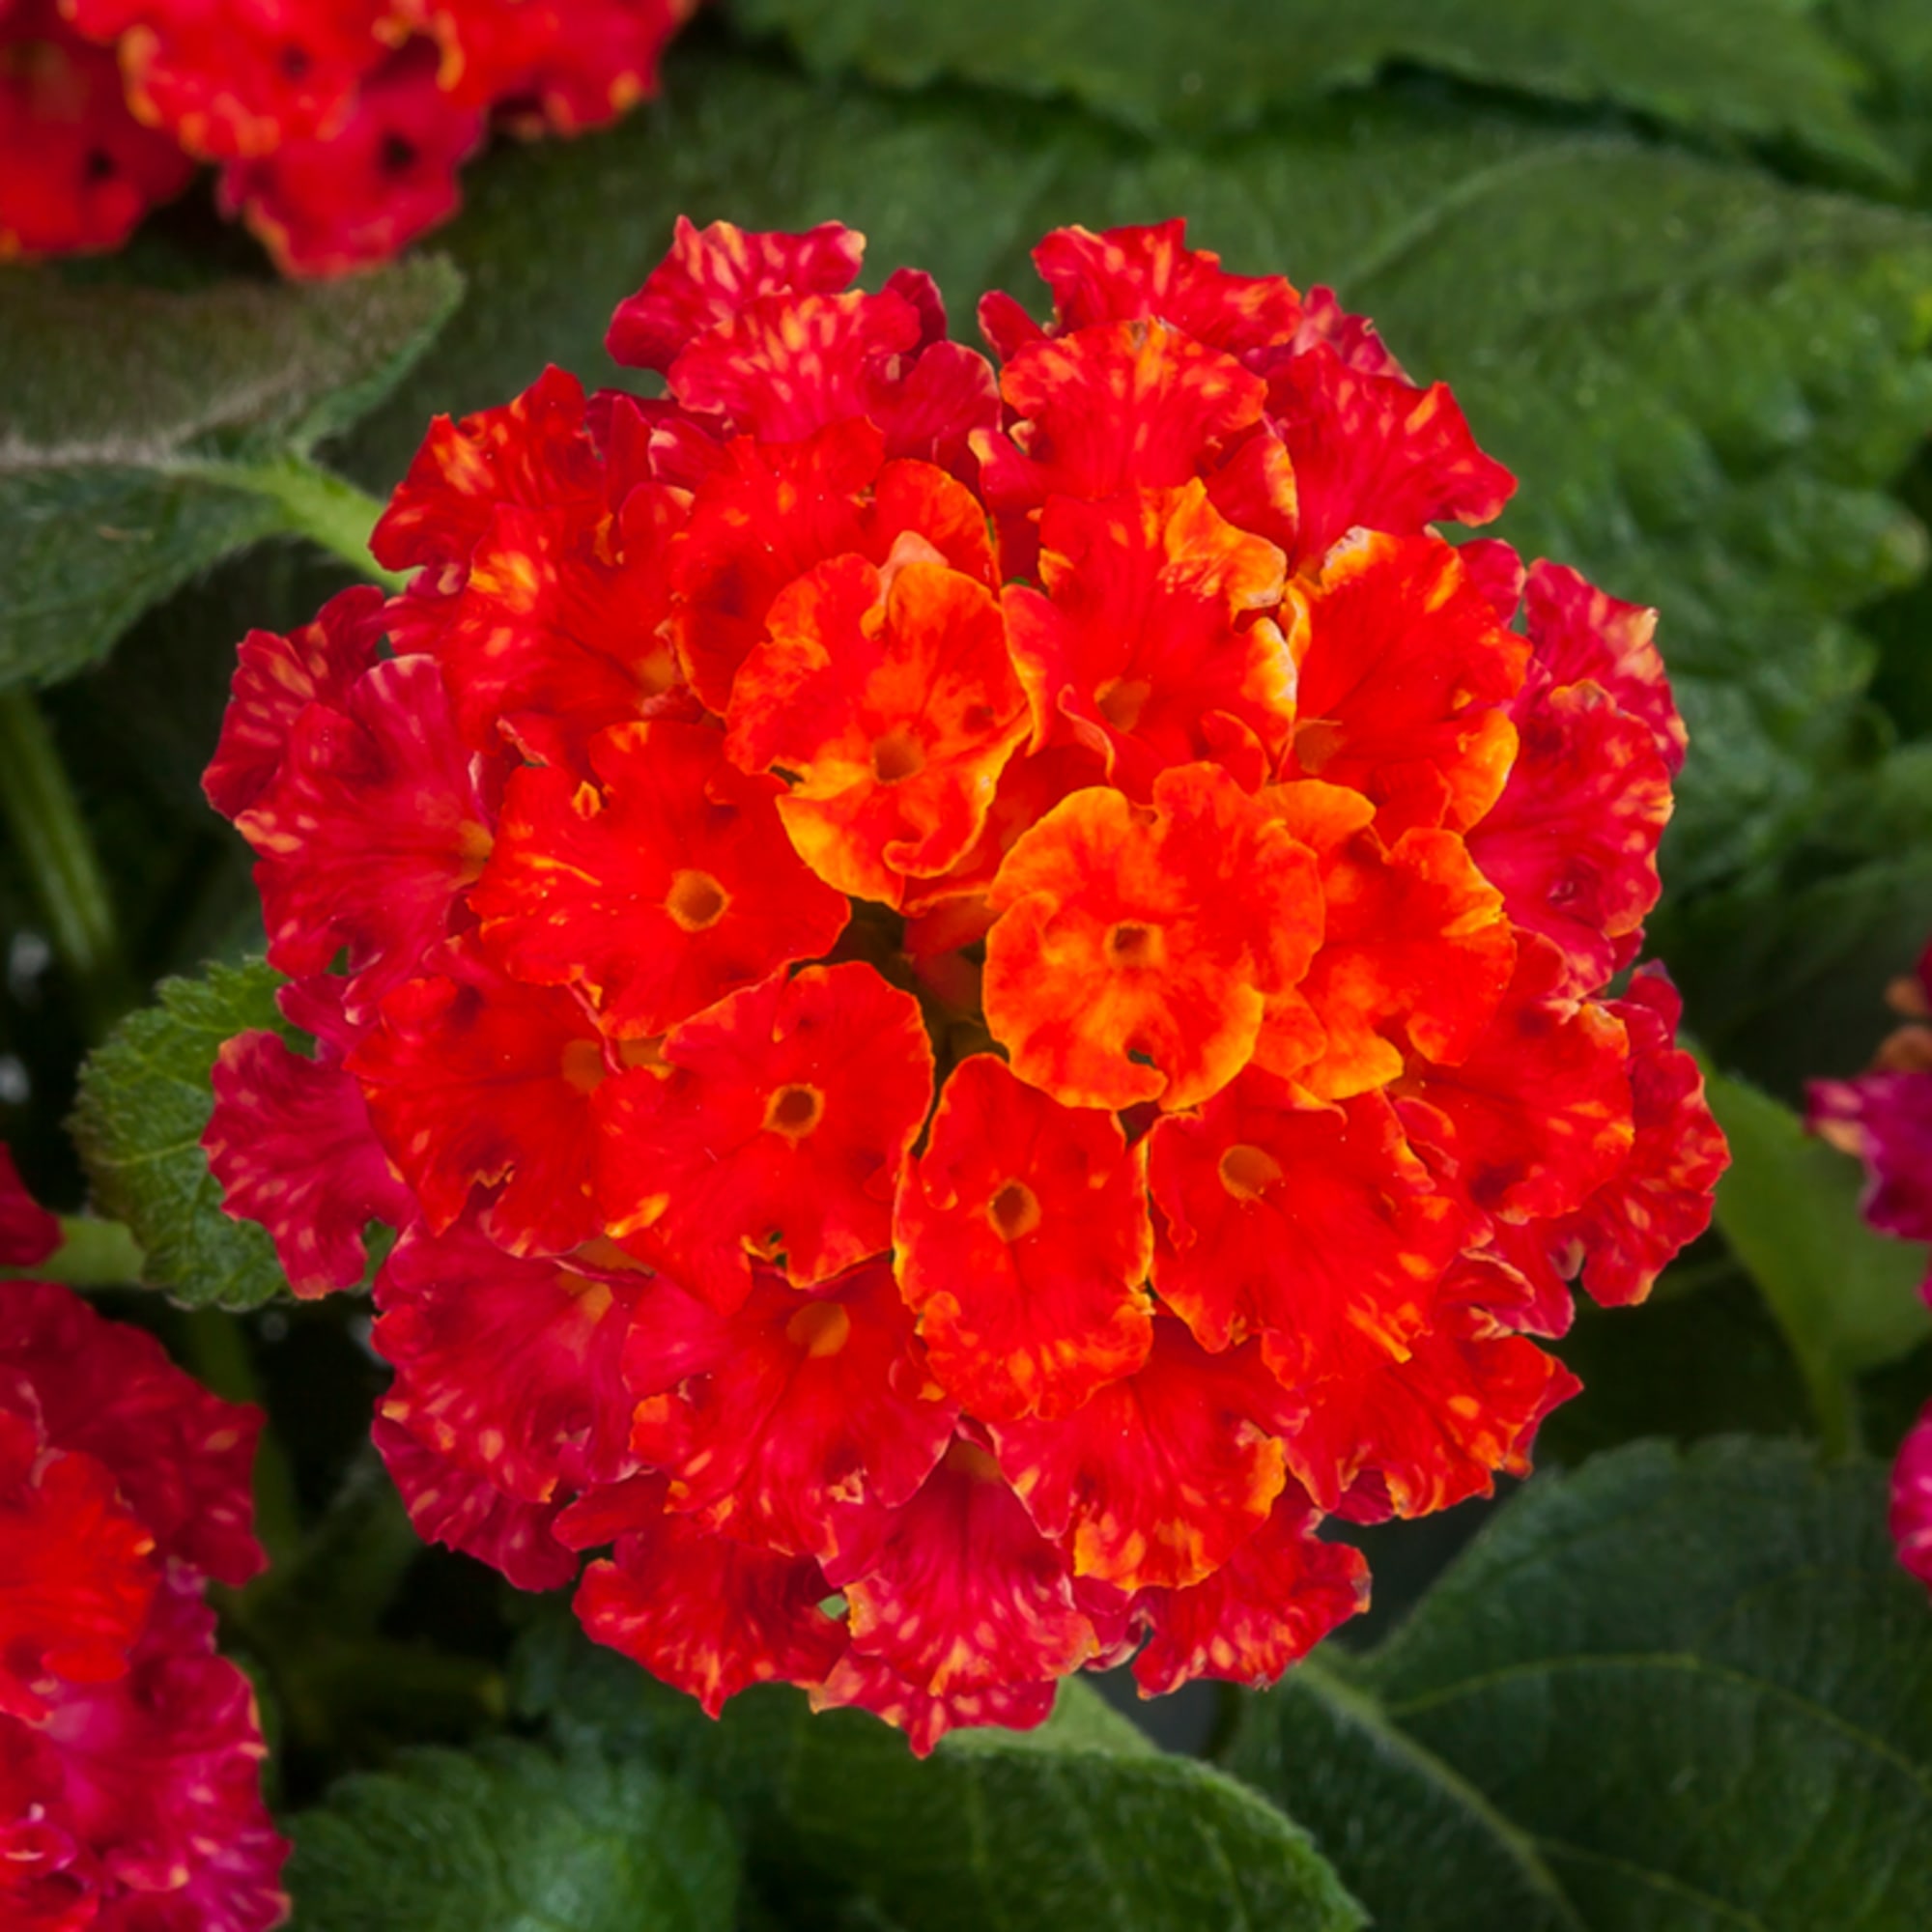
x,y
144,434
143,1103
511,1839
1674,1693
1079,1822
1759,68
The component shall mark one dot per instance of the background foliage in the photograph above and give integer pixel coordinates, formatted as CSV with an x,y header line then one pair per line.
x,y
1676,258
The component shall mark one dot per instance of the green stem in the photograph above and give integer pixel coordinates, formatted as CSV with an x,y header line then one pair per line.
x,y
93,1254
326,508
40,809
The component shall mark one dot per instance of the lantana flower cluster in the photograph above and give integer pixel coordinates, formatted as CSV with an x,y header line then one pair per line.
x,y
1884,1118
130,1753
339,126
973,995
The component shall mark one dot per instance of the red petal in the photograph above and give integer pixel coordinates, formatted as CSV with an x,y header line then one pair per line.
x,y
1160,1477
1418,949
473,1078
1403,684
1660,1201
1137,946
1149,273
1572,842
326,201
709,1615
182,1456
890,697
62,112
963,1594
76,1579
1374,451
276,679
1578,632
368,832
1910,1513
712,274
656,890
1271,1602
557,632
1146,638
161,1775
776,1129
1537,1114
449,1505
1310,1227
533,452
28,1233
768,1420
291,1143
511,1369
1023,1243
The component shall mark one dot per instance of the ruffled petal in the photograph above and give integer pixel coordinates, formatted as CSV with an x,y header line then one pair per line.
x,y
511,1369
1137,946
28,1233
774,1127
890,697
1023,1244
475,1079
1910,1513
772,1422
1279,1594
709,1615
1159,1477
1158,639
370,828
1312,1227
963,1593
656,887
290,1141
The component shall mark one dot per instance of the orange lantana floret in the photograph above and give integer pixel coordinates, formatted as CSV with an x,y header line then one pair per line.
x,y
978,1000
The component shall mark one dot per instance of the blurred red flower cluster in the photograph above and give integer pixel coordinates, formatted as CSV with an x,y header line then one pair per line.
x,y
130,1753
973,995
338,125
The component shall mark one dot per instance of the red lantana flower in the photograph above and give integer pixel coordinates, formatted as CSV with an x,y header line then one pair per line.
x,y
974,996
130,1753
1885,1119
338,125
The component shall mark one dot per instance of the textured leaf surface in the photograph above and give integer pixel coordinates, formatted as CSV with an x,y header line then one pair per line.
x,y
1079,1822
1705,378
144,1102
1675,1692
1754,67
513,1840
123,410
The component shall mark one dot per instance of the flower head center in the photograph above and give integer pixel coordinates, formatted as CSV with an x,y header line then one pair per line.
x,y
896,757
1132,945
1247,1173
697,900
819,1328
794,1111
1014,1211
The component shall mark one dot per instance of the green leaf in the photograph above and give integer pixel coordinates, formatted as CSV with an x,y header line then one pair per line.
x,y
1705,378
1674,1693
1846,1296
513,1840
145,434
1079,1822
144,1102
1758,68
